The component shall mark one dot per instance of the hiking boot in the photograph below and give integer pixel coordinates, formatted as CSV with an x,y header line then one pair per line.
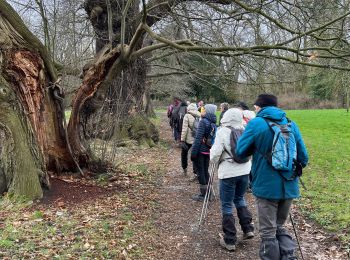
x,y
248,235
185,171
229,247
198,197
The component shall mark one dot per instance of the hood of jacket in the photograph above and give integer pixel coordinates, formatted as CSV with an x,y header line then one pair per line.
x,y
273,113
233,117
210,117
193,110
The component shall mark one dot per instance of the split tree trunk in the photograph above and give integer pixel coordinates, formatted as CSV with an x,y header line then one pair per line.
x,y
31,131
128,88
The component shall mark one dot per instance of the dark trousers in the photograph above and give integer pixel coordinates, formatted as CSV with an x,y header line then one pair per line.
x,y
177,134
184,157
202,167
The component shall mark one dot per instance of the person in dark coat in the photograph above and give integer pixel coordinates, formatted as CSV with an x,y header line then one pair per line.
x,y
177,115
200,150
274,193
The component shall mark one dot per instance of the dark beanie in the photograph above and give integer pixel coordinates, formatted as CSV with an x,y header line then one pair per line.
x,y
242,105
266,100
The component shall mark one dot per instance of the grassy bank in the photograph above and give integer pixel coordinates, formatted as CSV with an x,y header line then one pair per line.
x,y
327,177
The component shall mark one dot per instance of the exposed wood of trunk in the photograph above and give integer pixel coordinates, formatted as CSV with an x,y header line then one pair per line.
x,y
105,66
126,89
30,70
32,125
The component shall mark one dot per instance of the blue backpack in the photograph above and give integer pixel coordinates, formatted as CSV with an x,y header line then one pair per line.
x,y
284,149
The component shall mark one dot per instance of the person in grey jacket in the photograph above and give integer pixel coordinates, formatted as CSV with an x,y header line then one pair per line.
x,y
187,137
233,178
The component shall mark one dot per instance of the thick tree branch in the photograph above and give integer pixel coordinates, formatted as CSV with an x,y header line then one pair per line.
x,y
31,41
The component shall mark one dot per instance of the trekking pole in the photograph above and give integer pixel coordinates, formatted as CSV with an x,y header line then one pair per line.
x,y
210,189
207,195
302,183
296,235
205,202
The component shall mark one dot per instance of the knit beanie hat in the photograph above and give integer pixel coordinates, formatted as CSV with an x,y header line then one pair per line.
x,y
210,108
266,100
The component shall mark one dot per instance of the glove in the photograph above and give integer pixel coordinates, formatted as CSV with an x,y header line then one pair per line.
x,y
193,157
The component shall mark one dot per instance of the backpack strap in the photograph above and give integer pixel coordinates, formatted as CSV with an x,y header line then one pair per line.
x,y
229,153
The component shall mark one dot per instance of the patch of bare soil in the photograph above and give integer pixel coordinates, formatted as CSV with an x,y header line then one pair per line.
x,y
178,217
71,192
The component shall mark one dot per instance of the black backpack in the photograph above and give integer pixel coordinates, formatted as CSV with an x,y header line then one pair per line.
x,y
181,114
174,118
210,138
234,136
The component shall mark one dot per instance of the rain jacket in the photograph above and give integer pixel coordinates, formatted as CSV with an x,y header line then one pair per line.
x,y
257,140
188,122
219,153
203,130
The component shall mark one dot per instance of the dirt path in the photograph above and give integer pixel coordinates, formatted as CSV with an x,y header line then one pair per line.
x,y
178,219
143,211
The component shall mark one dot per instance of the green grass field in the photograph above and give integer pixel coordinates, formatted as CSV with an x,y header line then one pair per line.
x,y
327,177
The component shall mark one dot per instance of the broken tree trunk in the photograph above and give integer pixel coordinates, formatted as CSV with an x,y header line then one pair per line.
x,y
31,119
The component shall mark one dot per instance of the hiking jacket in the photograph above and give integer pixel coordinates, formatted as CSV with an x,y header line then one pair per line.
x,y
203,130
170,110
221,149
177,116
188,122
257,140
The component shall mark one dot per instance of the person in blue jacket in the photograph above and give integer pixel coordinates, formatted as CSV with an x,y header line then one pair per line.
x,y
274,194
200,150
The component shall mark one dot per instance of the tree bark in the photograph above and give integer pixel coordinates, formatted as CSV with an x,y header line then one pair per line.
x,y
31,118
125,92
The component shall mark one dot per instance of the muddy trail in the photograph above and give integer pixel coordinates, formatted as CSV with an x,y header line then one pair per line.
x,y
179,217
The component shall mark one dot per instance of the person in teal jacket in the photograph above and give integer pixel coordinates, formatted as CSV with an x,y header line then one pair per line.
x,y
274,194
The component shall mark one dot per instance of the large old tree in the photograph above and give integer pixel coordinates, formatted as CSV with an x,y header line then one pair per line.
x,y
34,138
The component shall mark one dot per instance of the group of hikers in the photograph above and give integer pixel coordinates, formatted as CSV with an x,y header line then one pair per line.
x,y
263,149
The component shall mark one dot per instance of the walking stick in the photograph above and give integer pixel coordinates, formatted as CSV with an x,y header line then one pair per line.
x,y
296,235
207,194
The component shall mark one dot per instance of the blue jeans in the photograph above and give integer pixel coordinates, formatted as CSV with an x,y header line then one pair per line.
x,y
232,192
